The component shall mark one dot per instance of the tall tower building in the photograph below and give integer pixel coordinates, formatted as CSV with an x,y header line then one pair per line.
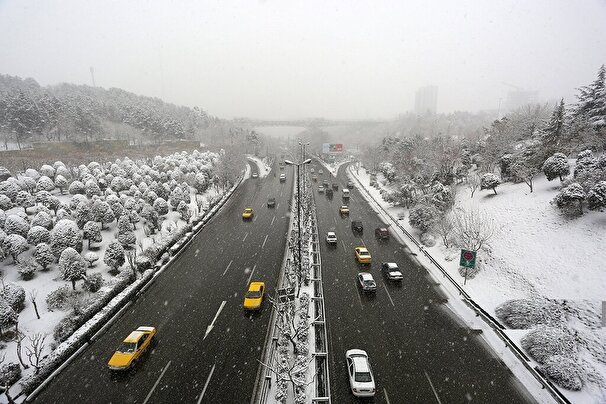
x,y
426,100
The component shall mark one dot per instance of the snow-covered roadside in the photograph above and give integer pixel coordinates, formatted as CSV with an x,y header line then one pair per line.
x,y
264,168
333,168
455,303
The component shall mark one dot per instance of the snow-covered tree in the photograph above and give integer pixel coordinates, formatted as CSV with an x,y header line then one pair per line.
x,y
15,224
61,183
596,197
27,269
161,206
102,213
571,198
10,189
592,100
114,255
32,173
92,188
8,316
65,234
422,217
554,130
151,217
4,173
42,219
585,163
72,266
14,244
47,171
43,254
489,181
37,235
5,202
25,200
126,236
522,170
184,211
45,184
556,166
76,188
92,232
82,214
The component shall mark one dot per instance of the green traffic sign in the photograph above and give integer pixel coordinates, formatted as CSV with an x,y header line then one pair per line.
x,y
468,259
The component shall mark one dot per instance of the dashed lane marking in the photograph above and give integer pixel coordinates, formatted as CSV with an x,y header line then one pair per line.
x,y
388,295
251,274
206,384
228,265
156,384
264,241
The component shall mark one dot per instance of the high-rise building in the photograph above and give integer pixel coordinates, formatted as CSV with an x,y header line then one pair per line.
x,y
426,100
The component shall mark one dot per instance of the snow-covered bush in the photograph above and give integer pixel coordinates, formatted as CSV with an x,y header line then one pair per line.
x,y
4,173
10,373
14,244
72,266
27,269
422,217
76,188
102,212
14,295
42,219
93,282
388,171
58,298
61,170
65,328
10,189
45,184
61,183
43,254
114,255
25,200
2,218
527,313
92,232
31,173
543,342
92,188
570,199
596,197
5,202
489,181
8,316
556,166
161,206
37,235
47,171
15,224
564,371
428,240
184,211
65,234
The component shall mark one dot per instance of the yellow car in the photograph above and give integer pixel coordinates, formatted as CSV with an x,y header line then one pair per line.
x,y
247,214
344,210
132,348
362,255
254,296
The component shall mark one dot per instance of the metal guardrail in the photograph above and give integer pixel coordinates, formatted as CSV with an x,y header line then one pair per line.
x,y
488,319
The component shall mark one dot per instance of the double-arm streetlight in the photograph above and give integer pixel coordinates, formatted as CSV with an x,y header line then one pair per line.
x,y
298,208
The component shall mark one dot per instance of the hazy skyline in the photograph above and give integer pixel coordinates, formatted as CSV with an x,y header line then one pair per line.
x,y
284,60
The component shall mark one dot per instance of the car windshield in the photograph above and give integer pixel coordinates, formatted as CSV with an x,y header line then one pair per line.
x,y
369,282
128,347
363,377
364,253
255,294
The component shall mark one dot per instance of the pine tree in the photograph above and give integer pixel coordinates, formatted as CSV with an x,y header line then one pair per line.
x,y
555,127
592,100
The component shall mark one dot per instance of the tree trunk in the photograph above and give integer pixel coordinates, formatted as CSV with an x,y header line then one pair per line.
x,y
36,309
495,190
74,284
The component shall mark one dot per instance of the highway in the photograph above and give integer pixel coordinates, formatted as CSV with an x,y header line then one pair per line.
x,y
207,347
420,352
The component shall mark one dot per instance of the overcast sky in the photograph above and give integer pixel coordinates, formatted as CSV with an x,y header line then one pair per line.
x,y
287,59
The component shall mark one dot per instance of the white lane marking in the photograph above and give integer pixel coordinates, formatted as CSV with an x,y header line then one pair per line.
x,y
272,221
281,191
388,295
344,248
246,235
359,298
156,384
228,265
206,384
264,241
251,274
210,327
385,393
334,219
434,390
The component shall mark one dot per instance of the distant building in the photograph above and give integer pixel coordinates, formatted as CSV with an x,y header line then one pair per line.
x,y
426,100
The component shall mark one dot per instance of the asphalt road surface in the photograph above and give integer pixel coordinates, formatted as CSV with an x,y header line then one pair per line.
x,y
419,351
204,285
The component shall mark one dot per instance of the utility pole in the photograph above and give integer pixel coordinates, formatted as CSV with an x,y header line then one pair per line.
x,y
92,76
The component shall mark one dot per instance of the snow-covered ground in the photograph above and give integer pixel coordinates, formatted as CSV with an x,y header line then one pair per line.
x,y
536,252
334,167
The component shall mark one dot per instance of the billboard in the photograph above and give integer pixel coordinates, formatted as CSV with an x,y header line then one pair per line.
x,y
328,148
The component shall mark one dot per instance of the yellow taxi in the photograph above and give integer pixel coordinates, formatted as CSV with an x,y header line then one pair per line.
x,y
132,348
344,210
362,255
247,214
254,296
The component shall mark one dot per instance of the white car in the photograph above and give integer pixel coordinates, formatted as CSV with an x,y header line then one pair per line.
x,y
361,380
320,171
331,237
255,175
392,271
367,282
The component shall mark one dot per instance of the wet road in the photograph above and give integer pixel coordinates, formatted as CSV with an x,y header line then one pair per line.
x,y
419,351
